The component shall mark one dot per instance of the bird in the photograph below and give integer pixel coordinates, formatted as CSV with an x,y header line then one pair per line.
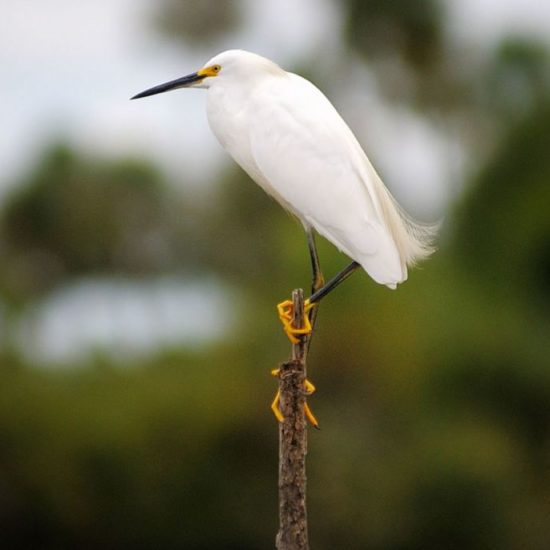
x,y
289,138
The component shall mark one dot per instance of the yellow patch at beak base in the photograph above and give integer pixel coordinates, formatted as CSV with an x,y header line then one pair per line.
x,y
213,70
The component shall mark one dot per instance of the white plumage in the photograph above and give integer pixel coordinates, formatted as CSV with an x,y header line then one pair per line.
x,y
284,132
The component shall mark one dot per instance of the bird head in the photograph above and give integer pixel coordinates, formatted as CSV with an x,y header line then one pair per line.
x,y
226,67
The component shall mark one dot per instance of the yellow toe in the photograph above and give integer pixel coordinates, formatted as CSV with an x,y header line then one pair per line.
x,y
286,311
310,388
311,417
275,407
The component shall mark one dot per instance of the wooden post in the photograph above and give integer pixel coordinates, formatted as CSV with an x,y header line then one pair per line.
x,y
293,533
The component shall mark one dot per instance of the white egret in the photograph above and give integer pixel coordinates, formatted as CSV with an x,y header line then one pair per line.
x,y
288,137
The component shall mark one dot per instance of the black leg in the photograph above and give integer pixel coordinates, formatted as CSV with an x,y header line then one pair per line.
x,y
333,283
318,279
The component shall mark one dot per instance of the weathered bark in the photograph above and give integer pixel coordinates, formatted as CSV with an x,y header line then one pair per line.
x,y
293,534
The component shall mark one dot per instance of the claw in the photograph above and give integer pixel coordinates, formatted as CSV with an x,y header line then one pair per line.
x,y
286,311
311,417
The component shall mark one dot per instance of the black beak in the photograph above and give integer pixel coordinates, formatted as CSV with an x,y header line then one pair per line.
x,y
182,82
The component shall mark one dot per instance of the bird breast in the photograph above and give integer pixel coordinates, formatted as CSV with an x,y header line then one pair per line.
x,y
231,112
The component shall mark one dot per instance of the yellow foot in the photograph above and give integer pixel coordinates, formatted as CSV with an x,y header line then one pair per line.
x,y
286,313
275,405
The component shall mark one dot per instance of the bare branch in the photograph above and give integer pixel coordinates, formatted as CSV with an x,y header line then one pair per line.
x,y
293,534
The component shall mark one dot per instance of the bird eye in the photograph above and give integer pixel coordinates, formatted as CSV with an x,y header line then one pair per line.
x,y
216,68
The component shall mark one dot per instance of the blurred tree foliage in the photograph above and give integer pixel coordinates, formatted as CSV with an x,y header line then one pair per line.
x,y
518,79
409,29
512,199
404,44
74,216
433,399
197,21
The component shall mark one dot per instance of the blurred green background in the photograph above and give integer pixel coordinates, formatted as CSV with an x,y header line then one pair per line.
x,y
139,270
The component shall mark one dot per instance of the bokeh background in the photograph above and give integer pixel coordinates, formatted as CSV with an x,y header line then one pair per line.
x,y
139,270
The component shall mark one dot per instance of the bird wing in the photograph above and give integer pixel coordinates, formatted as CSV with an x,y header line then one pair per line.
x,y
316,168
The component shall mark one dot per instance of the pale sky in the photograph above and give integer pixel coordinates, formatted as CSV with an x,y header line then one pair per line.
x,y
68,69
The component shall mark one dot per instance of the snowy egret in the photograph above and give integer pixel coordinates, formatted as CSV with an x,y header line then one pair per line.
x,y
284,132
